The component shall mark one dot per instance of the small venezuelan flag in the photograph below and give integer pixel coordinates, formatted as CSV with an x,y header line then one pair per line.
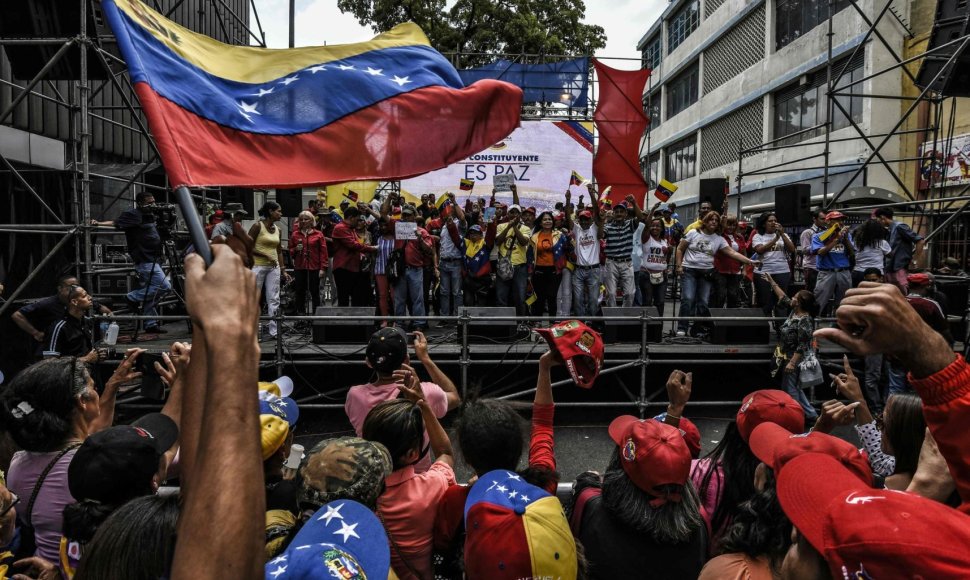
x,y
665,189
352,195
576,179
466,184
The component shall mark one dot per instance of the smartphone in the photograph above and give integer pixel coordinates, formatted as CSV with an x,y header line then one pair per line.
x,y
152,386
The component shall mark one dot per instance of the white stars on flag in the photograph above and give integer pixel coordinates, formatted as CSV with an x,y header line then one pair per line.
x,y
246,109
401,81
278,560
347,531
262,92
332,512
317,68
502,488
276,573
289,80
346,67
377,72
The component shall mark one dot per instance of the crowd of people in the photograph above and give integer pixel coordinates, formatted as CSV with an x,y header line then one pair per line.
x,y
778,497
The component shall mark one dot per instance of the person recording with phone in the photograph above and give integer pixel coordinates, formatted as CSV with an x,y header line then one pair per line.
x,y
308,249
145,249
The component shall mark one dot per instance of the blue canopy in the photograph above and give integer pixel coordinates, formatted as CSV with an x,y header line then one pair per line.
x,y
559,82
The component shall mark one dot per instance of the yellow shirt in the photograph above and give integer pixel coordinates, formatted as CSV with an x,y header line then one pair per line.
x,y
266,244
693,226
518,255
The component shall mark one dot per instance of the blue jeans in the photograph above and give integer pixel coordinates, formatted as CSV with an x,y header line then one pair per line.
x,y
694,293
514,289
409,290
586,291
451,301
790,383
653,294
897,381
154,286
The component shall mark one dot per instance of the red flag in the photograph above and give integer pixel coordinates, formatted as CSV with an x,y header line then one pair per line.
x,y
621,122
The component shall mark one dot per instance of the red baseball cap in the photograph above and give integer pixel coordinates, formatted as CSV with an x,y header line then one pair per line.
x,y
834,215
579,346
586,213
692,435
531,210
920,279
772,406
776,446
651,453
864,532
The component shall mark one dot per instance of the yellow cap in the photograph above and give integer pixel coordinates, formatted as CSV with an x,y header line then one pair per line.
x,y
273,432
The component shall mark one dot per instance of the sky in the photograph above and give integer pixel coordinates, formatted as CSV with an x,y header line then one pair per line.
x,y
321,22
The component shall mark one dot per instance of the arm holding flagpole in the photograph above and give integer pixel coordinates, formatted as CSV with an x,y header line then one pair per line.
x,y
194,224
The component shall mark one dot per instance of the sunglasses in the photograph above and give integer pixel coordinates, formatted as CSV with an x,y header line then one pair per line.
x,y
16,500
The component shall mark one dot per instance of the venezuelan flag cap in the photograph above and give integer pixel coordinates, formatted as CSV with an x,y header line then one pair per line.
x,y
516,530
343,539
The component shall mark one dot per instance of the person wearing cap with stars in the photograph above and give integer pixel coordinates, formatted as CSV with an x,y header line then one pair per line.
x,y
833,249
477,280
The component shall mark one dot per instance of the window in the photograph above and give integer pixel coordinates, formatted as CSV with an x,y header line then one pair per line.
x,y
653,53
651,106
681,159
794,18
650,166
681,24
682,91
805,105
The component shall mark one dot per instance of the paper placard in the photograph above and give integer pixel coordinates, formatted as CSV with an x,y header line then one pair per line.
x,y
405,230
504,182
489,214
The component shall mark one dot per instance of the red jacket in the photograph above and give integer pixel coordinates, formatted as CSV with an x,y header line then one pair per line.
x,y
313,255
346,248
946,408
451,507
725,264
413,256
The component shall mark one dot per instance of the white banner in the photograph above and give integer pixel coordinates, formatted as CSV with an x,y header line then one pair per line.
x,y
540,154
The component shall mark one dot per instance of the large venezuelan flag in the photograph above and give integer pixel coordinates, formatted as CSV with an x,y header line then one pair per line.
x,y
389,108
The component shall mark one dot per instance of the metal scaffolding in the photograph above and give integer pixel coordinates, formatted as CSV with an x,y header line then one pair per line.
x,y
875,143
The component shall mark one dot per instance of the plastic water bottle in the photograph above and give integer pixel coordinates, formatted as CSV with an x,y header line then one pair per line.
x,y
104,329
111,336
293,461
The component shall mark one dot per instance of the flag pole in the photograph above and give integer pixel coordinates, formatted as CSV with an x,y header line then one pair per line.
x,y
194,224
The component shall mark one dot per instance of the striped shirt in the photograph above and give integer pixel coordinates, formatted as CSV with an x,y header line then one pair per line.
x,y
384,248
619,239
67,337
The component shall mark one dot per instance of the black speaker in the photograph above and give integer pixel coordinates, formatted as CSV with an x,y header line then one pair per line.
x,y
793,204
484,328
48,19
714,191
957,294
952,22
114,284
629,329
240,195
349,329
757,330
291,201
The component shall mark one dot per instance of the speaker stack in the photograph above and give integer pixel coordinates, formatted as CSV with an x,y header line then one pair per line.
x,y
757,330
793,204
951,22
630,329
350,328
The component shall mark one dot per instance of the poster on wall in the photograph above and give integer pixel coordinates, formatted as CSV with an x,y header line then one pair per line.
x,y
947,160
539,156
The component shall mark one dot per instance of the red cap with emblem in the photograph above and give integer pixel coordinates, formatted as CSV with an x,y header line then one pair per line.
x,y
579,346
776,446
651,453
773,406
864,532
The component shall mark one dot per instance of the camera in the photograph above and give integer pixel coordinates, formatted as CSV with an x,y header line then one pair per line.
x,y
164,216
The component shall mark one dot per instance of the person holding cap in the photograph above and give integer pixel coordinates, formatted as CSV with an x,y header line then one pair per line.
x,y
833,248
587,276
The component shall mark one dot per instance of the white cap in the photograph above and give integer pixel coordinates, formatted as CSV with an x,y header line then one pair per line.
x,y
285,384
515,207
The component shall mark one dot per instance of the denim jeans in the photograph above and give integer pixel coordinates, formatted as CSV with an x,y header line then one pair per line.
x,y
268,282
727,290
564,299
694,291
870,389
831,286
154,286
513,289
897,381
790,382
409,290
586,291
653,294
619,274
451,299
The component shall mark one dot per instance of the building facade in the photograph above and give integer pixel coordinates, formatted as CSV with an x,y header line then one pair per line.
x,y
736,75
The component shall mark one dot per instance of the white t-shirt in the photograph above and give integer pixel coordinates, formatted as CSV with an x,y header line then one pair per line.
x,y
872,257
774,260
587,245
701,248
654,255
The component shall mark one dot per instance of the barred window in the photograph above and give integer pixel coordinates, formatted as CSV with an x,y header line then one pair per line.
x,y
682,90
653,53
651,106
805,105
681,159
650,166
795,18
682,23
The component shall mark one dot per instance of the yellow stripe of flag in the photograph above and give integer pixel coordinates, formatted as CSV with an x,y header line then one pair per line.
x,y
251,64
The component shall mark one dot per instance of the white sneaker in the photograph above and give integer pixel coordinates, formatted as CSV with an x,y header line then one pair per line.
x,y
681,333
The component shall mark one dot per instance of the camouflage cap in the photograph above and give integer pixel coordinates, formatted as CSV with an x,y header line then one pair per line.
x,y
344,468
